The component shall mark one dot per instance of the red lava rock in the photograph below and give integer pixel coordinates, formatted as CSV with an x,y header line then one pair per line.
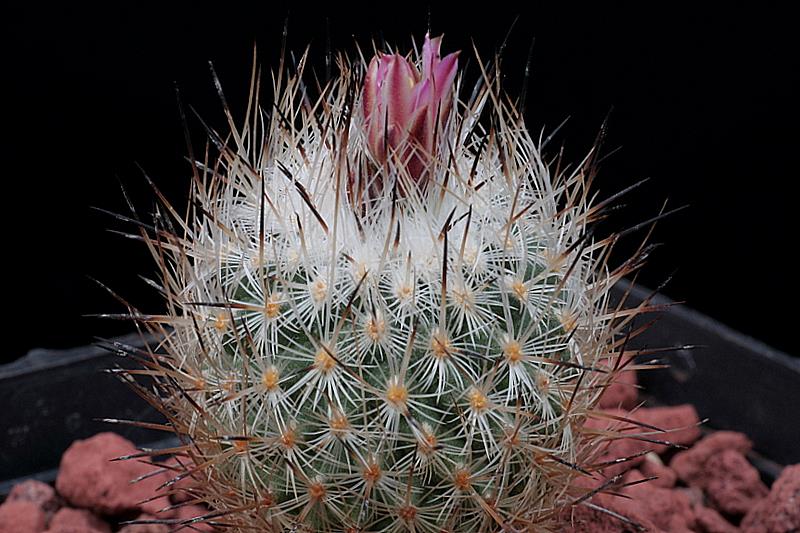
x,y
668,509
622,393
583,519
717,465
779,512
707,520
36,492
652,466
70,529
632,476
88,478
180,491
188,512
21,516
694,494
80,520
733,485
618,448
145,528
679,424
690,464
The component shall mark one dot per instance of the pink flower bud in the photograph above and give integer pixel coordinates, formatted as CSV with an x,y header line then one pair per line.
x,y
404,108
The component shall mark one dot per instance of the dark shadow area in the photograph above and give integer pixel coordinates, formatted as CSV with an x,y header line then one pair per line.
x,y
698,100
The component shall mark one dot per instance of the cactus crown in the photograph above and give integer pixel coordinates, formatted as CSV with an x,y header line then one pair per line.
x,y
352,344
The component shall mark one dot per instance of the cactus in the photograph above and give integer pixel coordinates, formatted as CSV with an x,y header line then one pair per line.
x,y
385,310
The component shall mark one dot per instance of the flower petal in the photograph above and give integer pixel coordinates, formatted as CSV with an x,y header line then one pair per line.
x,y
398,91
419,150
430,55
423,93
444,74
370,96
376,134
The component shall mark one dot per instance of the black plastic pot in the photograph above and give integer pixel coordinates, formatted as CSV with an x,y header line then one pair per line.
x,y
50,398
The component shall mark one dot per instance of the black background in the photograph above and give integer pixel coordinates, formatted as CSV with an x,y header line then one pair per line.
x,y
700,100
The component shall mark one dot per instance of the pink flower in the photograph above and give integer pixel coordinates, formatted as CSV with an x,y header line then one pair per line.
x,y
405,110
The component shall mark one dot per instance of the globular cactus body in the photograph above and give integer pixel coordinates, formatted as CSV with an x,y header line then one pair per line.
x,y
375,330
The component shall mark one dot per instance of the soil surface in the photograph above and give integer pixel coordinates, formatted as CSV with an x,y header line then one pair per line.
x,y
707,487
94,493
